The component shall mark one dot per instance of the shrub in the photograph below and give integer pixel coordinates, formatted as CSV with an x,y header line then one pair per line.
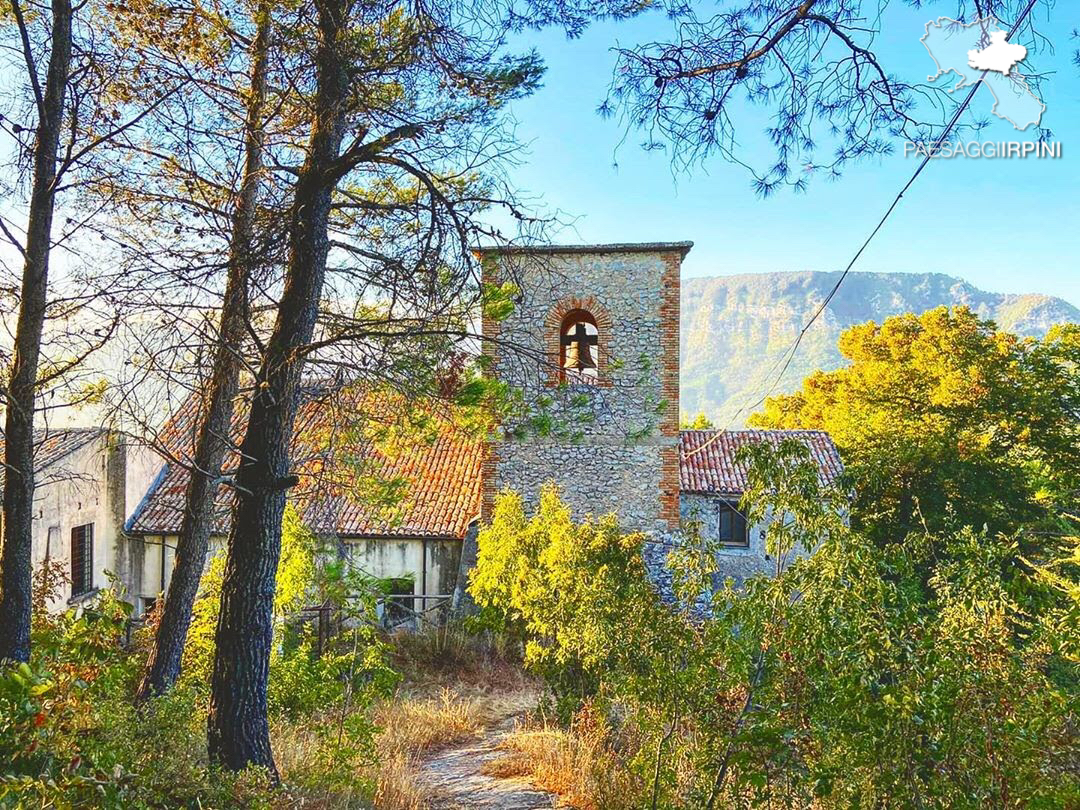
x,y
863,675
577,592
71,736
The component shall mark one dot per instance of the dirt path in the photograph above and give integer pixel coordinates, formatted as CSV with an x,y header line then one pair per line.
x,y
455,777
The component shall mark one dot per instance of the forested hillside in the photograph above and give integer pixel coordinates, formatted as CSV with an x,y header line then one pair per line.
x,y
734,327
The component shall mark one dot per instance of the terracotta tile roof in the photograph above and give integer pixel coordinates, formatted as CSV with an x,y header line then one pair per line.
x,y
52,445
707,457
417,488
426,486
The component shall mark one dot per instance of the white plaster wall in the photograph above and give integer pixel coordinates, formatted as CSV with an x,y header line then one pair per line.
x,y
100,483
143,466
152,577
433,564
155,579
71,493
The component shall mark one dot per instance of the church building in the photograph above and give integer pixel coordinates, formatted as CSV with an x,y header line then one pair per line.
x,y
592,344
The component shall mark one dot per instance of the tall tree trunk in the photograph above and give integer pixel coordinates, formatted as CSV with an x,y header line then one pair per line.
x,y
15,559
238,732
212,443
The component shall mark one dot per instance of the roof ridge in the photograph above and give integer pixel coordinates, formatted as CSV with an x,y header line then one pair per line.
x,y
754,430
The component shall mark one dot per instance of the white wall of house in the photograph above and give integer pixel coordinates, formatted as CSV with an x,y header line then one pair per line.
x,y
155,571
72,493
431,564
98,484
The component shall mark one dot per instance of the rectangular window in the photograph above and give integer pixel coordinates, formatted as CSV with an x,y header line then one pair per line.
x,y
82,559
732,527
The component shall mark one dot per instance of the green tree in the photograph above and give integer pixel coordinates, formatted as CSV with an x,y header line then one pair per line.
x,y
216,413
860,676
829,90
945,421
400,98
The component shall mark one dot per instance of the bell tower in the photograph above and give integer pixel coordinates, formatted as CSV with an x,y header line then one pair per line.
x,y
593,345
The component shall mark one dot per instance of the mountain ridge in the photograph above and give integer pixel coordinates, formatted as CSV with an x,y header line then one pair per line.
x,y
734,327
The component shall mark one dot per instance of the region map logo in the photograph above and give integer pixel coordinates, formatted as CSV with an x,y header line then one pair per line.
x,y
967,54
978,51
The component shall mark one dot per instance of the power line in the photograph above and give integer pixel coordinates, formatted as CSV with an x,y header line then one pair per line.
x,y
789,354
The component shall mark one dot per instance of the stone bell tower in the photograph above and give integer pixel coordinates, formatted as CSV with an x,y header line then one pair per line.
x,y
593,344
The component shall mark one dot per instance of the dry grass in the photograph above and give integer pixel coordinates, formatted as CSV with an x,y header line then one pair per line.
x,y
455,684
412,726
293,744
396,788
579,765
450,656
454,687
314,779
416,726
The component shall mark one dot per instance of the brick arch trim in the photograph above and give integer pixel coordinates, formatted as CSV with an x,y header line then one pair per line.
x,y
552,332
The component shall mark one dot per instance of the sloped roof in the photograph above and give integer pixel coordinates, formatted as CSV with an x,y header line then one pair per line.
x,y
428,487
421,486
53,444
707,458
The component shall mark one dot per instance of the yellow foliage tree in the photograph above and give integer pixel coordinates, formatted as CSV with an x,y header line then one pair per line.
x,y
943,421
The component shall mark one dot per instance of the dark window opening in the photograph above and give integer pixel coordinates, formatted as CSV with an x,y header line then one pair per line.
x,y
82,559
399,602
732,526
578,348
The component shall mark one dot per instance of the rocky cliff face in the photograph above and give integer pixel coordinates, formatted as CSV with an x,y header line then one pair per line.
x,y
734,328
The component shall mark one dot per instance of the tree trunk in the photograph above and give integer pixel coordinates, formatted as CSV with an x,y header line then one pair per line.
x,y
15,559
212,443
238,732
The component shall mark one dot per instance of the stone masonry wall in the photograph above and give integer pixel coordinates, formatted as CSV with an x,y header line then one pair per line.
x,y
598,478
737,562
610,446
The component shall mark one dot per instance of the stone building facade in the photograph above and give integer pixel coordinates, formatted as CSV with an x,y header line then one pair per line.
x,y
712,480
593,345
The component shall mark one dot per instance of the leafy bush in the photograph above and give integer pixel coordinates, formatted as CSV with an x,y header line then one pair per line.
x,y
574,590
70,734
893,675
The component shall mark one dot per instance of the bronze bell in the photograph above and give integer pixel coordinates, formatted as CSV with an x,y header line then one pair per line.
x,y
579,353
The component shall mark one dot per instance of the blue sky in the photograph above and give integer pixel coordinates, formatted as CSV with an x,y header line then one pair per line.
x,y
1004,225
